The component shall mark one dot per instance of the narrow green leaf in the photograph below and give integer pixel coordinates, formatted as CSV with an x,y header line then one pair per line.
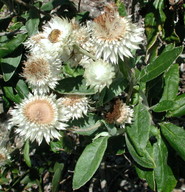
x,y
178,108
171,83
22,88
159,65
74,85
146,160
151,29
11,45
147,174
26,153
89,162
165,179
33,21
9,93
58,167
139,130
115,89
9,65
175,136
162,106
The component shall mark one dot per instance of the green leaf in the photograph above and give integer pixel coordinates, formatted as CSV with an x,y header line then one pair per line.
x,y
74,85
116,88
73,71
148,175
26,153
89,162
175,136
178,108
22,88
87,125
151,29
165,179
139,130
58,167
159,65
9,65
146,160
64,144
11,45
162,106
33,21
171,83
9,93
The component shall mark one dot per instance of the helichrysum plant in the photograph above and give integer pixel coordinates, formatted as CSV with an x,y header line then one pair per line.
x,y
75,84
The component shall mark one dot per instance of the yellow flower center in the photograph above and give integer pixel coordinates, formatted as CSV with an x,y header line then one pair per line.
x,y
39,111
54,35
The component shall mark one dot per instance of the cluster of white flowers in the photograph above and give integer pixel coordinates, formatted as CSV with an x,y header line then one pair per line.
x,y
95,46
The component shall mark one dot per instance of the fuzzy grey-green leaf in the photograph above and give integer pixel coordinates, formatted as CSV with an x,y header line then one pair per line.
x,y
175,136
89,162
160,64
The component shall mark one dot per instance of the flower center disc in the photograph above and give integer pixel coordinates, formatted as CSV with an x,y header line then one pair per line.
x,y
39,111
39,69
54,35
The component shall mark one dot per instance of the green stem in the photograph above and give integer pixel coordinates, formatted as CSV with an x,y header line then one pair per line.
x,y
83,51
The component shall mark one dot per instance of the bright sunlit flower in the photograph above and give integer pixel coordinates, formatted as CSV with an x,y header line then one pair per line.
x,y
114,36
42,73
54,40
75,106
99,74
121,114
38,117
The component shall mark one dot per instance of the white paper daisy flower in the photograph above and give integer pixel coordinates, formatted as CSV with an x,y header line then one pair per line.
x,y
99,74
75,106
121,114
54,40
42,73
38,117
114,36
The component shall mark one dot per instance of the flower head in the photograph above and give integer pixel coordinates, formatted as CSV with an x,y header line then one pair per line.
x,y
99,74
121,114
38,117
76,106
54,40
42,73
113,35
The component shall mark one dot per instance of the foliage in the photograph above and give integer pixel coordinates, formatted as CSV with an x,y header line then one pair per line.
x,y
149,82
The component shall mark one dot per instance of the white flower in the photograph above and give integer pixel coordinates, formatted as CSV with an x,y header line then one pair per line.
x,y
99,74
121,114
38,117
54,40
42,73
114,36
75,106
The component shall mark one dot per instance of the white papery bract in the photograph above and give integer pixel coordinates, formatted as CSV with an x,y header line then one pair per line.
x,y
42,73
76,106
99,74
114,36
38,117
54,40
121,114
